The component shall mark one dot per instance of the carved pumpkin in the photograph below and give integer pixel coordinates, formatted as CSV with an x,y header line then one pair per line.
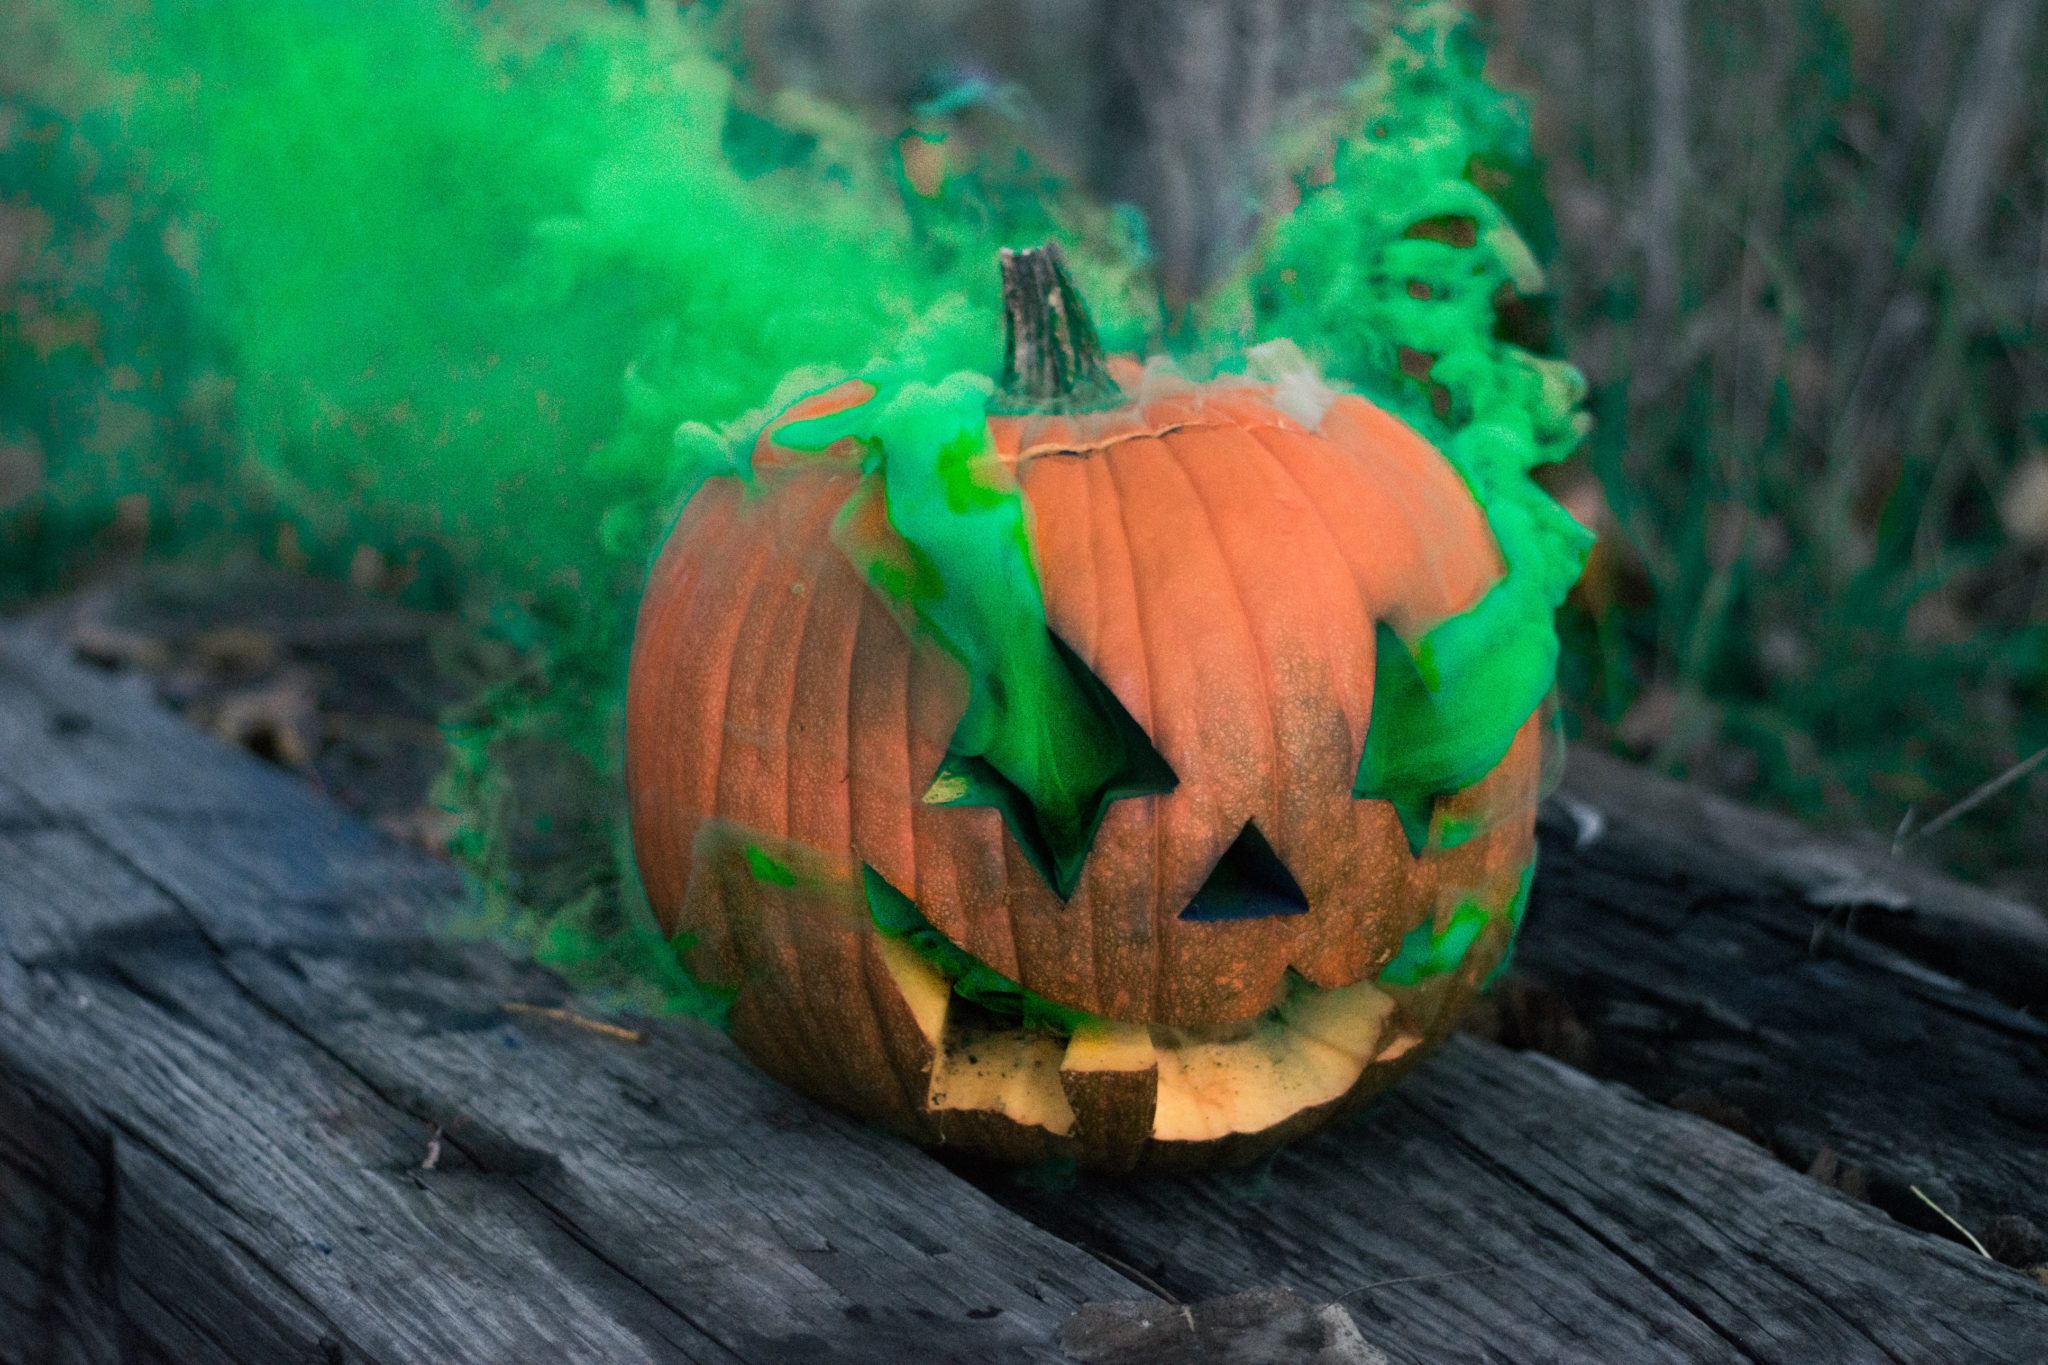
x,y
1136,773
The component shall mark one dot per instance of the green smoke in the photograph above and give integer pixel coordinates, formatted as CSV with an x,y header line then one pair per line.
x,y
1395,274
452,278
951,550
489,290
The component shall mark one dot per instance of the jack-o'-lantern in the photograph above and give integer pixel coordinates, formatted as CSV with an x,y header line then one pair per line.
x,y
1100,765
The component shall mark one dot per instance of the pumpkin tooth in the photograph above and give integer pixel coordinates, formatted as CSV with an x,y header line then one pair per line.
x,y
1310,1057
1013,1073
924,987
1110,1074
1352,1020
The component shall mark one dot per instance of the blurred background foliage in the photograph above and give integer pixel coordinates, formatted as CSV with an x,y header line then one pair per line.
x,y
1799,248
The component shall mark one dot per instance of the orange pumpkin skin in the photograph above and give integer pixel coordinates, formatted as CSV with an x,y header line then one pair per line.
x,y
1219,556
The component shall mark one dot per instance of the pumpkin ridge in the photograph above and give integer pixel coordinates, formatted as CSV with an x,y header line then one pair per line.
x,y
1017,868
915,787
1083,513
795,544
1330,955
759,622
826,800
1165,887
1153,942
1399,495
884,822
1084,518
787,712
673,582
1263,674
845,773
719,667
871,988
1321,521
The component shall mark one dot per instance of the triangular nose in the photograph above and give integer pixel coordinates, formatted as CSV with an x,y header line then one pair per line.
x,y
1248,882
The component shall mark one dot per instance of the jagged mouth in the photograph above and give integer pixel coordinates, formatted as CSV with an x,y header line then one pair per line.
x,y
1118,1092
1116,1086
846,991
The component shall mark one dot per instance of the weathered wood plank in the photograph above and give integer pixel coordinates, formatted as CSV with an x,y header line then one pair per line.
x,y
1502,1207
1973,934
227,1045
174,917
1705,976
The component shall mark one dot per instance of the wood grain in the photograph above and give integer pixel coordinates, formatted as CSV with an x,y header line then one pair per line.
x,y
1705,974
254,1108
1504,1207
228,1042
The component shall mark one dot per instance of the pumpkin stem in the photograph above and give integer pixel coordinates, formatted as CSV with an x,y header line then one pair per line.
x,y
1052,360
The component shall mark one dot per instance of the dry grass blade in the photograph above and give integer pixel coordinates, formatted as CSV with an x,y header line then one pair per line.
x,y
1949,1218
1969,803
582,1021
1416,1279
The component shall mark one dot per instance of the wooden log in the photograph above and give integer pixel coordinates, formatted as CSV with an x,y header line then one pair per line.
x,y
1973,934
1502,1206
252,1108
1709,953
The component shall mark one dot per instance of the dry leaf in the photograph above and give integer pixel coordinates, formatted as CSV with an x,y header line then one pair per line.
x,y
112,647
277,720
236,651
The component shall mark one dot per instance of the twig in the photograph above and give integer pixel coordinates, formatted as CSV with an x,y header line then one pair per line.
x,y
1417,1279
597,1026
1969,803
1971,1236
1130,1271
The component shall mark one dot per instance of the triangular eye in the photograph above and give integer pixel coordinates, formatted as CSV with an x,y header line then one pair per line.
x,y
1133,767
1248,882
